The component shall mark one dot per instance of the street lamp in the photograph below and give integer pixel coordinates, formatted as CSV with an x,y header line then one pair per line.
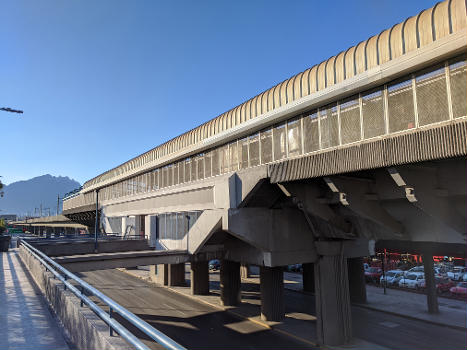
x,y
11,110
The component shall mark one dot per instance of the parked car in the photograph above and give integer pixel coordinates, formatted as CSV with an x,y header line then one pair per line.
x,y
412,280
442,284
464,277
366,266
460,290
457,273
415,269
392,277
214,265
373,274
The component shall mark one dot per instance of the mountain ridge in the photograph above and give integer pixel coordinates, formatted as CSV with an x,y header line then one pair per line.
x,y
24,196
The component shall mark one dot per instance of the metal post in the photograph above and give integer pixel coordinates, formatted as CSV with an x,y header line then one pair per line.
x,y
382,266
110,327
82,292
96,224
58,202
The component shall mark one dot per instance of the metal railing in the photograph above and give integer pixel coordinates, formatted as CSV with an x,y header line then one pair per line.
x,y
63,275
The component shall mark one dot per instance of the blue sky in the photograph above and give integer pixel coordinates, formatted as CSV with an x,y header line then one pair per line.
x,y
103,81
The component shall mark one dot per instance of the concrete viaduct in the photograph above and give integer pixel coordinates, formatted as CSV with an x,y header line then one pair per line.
x,y
365,150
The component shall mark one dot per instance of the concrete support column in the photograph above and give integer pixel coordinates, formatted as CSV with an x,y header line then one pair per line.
x,y
244,271
357,283
272,293
230,283
123,225
308,277
199,275
334,319
159,274
430,283
176,274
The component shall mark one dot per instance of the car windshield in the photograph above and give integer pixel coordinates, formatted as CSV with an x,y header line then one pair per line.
x,y
411,277
390,274
462,285
373,269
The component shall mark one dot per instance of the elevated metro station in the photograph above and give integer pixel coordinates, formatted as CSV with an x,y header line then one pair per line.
x,y
363,151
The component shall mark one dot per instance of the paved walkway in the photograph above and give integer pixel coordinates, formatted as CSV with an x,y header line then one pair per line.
x,y
25,320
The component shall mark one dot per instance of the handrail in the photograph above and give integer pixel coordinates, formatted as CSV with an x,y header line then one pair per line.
x,y
145,327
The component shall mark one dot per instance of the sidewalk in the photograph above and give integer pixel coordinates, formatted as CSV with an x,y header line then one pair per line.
x,y
25,321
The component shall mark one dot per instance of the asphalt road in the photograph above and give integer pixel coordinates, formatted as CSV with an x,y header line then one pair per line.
x,y
192,324
196,325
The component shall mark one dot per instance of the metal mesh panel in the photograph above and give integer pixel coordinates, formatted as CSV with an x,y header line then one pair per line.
x,y
243,153
294,137
176,177
254,150
170,175
155,184
194,169
207,164
181,171
266,146
233,156
224,160
400,106
458,77
311,132
200,165
188,170
373,114
350,120
215,162
329,127
164,176
279,142
432,97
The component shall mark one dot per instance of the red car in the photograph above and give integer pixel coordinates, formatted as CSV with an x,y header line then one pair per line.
x,y
460,290
442,284
373,274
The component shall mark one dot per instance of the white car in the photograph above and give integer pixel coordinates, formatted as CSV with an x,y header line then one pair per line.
x,y
457,273
392,277
412,280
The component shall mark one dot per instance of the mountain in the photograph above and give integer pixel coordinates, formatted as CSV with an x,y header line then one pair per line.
x,y
22,197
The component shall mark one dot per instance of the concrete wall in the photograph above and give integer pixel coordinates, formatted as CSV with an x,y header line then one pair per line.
x,y
87,247
87,331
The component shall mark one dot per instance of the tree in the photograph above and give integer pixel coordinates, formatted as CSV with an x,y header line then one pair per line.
x,y
2,226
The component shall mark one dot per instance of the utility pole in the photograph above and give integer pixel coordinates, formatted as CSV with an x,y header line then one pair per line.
x,y
58,203
96,223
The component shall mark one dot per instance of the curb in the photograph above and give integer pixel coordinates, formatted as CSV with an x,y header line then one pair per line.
x,y
220,307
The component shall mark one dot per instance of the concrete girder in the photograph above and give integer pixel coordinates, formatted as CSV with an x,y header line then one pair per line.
x,y
316,202
423,190
364,202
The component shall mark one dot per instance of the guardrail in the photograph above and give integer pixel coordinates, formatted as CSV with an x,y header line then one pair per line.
x,y
63,275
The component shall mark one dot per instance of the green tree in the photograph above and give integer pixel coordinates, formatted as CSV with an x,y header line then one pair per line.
x,y
2,226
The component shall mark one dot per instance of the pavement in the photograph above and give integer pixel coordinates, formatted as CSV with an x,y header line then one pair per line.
x,y
372,327
193,324
25,319
452,312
